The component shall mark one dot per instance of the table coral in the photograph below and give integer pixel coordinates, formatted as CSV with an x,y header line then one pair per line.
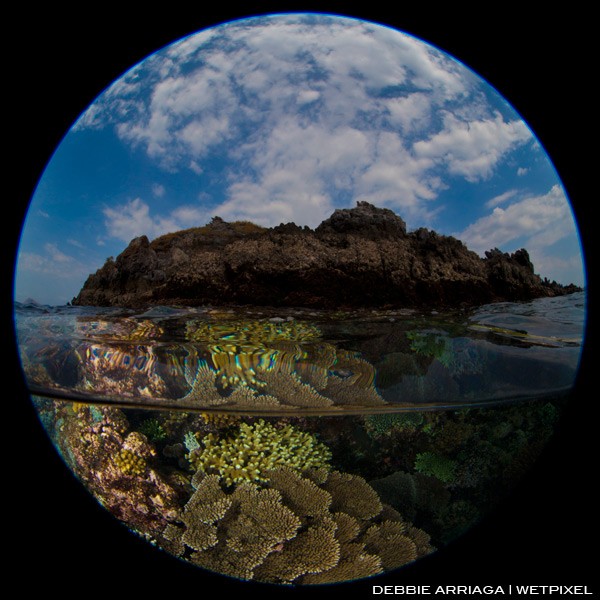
x,y
293,531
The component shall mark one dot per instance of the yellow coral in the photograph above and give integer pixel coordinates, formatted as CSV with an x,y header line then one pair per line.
x,y
219,419
257,332
255,449
129,463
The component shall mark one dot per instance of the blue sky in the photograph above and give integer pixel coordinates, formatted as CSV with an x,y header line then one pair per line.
x,y
285,118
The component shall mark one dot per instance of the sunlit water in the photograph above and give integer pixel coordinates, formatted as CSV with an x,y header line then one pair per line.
x,y
295,446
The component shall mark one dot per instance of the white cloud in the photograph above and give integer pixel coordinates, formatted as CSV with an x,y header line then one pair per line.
x,y
396,178
189,216
51,276
56,255
564,269
522,171
129,221
410,113
542,220
42,213
158,190
245,91
473,148
535,223
52,262
302,114
75,243
308,96
133,219
500,199
196,168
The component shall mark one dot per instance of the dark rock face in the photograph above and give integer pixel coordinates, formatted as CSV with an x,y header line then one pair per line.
x,y
358,257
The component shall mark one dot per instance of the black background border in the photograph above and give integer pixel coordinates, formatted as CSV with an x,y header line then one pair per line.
x,y
57,62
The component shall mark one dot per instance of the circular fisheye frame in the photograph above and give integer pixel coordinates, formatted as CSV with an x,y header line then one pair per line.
x,y
299,298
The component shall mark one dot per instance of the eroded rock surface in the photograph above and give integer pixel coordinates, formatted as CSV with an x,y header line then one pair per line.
x,y
358,257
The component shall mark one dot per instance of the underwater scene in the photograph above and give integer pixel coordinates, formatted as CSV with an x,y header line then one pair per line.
x,y
296,446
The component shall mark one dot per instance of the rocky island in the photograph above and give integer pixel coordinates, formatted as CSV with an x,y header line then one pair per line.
x,y
358,257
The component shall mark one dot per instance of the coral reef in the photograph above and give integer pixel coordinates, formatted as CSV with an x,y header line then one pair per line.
x,y
252,450
115,465
153,430
120,369
435,465
386,424
130,463
261,376
251,332
295,530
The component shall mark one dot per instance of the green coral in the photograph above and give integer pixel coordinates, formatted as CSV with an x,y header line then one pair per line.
x,y
249,451
153,430
435,465
427,343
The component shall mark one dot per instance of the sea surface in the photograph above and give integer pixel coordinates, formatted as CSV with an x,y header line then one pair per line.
x,y
293,446
352,361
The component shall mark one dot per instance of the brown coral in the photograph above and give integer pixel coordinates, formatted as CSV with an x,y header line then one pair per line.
x,y
352,495
203,391
288,388
308,529
354,563
312,551
389,541
303,496
350,392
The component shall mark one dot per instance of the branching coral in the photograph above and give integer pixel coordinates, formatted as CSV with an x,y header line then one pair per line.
x,y
348,391
202,384
390,542
290,531
252,450
254,523
352,495
268,364
303,496
290,391
153,430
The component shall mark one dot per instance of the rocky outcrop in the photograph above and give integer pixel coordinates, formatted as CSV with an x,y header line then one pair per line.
x,y
358,257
